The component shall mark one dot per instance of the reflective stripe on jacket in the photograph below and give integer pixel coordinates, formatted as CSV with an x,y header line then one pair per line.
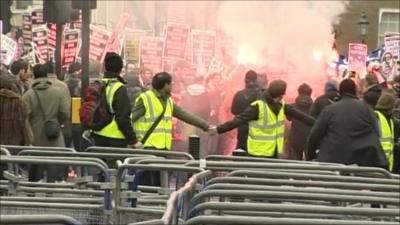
x,y
111,130
387,137
161,137
266,134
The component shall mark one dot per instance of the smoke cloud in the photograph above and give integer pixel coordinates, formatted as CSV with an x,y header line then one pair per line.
x,y
290,40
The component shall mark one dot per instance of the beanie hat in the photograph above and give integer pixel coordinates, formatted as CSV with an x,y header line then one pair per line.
x,y
347,86
304,89
331,85
251,75
386,101
277,88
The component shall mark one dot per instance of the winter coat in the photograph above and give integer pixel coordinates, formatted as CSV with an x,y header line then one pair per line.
x,y
14,125
299,131
55,106
347,132
323,101
240,102
372,94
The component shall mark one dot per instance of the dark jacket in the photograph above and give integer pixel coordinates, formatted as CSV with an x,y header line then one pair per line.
x,y
240,102
122,109
139,111
323,101
347,132
372,94
251,113
15,128
299,131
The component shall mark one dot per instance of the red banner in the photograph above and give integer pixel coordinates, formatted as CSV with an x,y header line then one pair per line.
x,y
98,43
176,41
37,17
27,29
70,47
39,36
52,34
203,47
357,57
114,44
151,53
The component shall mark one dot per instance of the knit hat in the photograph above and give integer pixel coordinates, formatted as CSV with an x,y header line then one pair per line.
x,y
347,86
331,85
277,88
386,101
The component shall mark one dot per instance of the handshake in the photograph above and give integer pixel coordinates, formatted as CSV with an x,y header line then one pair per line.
x,y
212,130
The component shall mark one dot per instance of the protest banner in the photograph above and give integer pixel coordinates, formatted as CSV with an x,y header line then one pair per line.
x,y
8,49
131,47
114,42
51,30
37,18
27,29
98,42
39,38
203,47
357,57
392,44
151,53
70,47
176,41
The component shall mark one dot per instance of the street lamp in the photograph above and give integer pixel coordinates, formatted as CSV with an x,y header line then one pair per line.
x,y
364,23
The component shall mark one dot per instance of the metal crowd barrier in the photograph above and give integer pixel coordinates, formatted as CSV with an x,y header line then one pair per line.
x,y
215,190
92,210
38,219
124,214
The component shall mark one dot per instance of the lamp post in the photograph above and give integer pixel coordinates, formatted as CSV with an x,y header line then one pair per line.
x,y
363,23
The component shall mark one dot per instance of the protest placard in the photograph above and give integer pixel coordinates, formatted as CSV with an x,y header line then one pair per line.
x,y
151,53
70,48
132,42
114,42
8,49
176,41
392,44
39,38
357,57
52,33
98,42
37,18
203,47
27,29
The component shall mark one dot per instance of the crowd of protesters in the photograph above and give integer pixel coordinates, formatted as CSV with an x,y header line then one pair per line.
x,y
343,125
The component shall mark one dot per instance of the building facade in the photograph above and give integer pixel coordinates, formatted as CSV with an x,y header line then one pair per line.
x,y
383,16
